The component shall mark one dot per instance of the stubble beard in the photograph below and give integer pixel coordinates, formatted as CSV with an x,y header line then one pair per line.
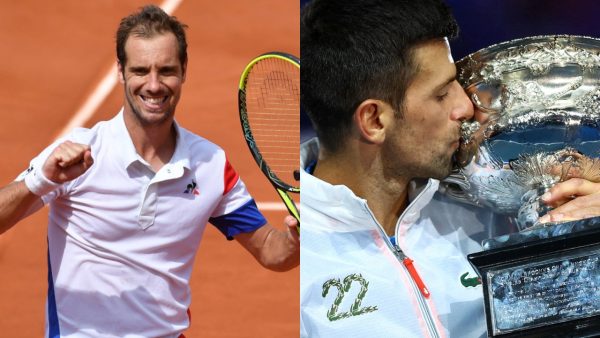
x,y
442,167
412,161
436,166
144,122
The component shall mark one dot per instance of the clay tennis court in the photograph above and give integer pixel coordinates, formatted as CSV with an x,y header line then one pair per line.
x,y
54,57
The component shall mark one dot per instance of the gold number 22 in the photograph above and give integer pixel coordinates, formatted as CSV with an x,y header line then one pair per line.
x,y
342,288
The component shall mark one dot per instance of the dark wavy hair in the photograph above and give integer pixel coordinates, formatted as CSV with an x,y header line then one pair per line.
x,y
147,22
353,50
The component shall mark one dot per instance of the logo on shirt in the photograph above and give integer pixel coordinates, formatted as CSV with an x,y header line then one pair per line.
x,y
191,189
466,282
342,287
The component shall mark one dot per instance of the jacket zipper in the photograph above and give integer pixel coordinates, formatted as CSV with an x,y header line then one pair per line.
x,y
418,286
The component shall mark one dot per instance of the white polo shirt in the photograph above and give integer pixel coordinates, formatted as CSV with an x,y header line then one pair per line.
x,y
122,239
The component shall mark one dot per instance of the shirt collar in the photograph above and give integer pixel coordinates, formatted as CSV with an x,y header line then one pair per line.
x,y
128,155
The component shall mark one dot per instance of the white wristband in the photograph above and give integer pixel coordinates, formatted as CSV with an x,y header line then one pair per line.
x,y
39,184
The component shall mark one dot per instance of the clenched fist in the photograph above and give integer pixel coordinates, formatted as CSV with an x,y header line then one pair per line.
x,y
67,162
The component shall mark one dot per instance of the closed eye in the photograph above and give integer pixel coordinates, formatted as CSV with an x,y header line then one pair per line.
x,y
169,71
441,98
140,71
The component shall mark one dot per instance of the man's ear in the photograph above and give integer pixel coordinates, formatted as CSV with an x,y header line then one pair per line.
x,y
121,72
372,118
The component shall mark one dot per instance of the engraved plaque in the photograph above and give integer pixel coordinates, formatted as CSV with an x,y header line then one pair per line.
x,y
544,288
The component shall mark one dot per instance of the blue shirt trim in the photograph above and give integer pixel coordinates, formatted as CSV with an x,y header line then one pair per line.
x,y
244,219
53,326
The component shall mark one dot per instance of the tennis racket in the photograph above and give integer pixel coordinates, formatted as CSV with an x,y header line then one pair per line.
x,y
269,106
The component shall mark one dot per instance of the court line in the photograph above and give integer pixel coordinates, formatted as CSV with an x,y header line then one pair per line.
x,y
105,87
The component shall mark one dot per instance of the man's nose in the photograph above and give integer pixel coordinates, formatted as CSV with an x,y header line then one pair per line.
x,y
153,82
463,107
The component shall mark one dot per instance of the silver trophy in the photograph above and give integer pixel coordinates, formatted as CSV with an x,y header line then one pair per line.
x,y
538,123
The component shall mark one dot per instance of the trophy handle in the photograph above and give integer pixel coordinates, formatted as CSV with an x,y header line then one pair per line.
x,y
457,186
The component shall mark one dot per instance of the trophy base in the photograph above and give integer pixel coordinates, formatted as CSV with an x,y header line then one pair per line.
x,y
541,233
543,287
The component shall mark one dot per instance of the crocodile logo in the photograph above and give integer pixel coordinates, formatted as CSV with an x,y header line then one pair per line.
x,y
472,281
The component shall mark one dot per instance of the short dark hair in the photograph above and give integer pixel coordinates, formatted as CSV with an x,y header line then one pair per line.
x,y
353,50
147,22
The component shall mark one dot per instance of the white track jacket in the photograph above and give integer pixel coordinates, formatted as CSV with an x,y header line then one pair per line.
x,y
355,282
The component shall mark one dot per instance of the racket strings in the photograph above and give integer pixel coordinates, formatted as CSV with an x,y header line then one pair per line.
x,y
273,107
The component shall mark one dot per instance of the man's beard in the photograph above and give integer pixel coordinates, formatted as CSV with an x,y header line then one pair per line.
x,y
140,118
437,167
442,168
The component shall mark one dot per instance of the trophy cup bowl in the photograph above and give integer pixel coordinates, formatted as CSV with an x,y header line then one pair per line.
x,y
538,122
